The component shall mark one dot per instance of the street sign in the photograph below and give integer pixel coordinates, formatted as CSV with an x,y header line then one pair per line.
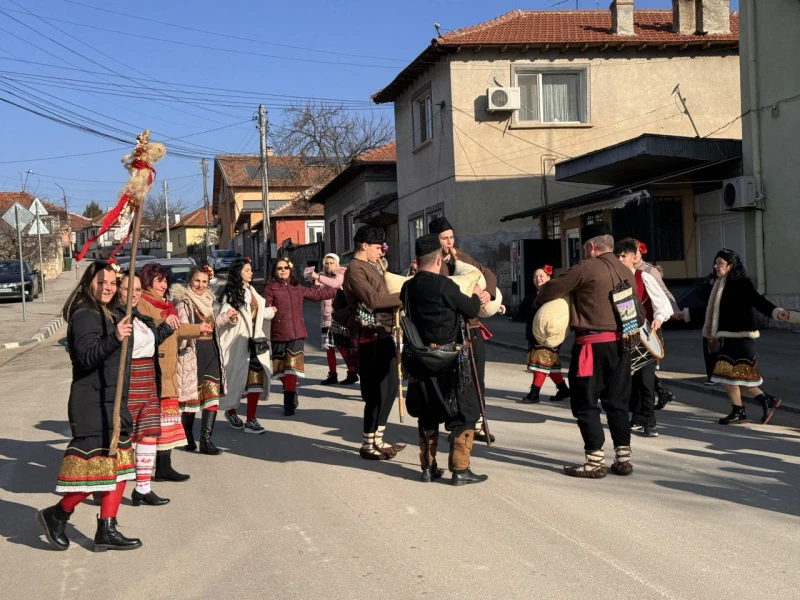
x,y
21,219
37,208
38,227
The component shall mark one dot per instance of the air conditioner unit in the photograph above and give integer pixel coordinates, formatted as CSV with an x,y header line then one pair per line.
x,y
502,99
739,193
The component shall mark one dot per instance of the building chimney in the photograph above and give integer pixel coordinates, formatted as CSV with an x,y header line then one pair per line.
x,y
270,152
713,16
622,17
683,17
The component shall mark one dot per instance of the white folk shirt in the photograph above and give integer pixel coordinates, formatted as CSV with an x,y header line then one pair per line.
x,y
144,340
662,309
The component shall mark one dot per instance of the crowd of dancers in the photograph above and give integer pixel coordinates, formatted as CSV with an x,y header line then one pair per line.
x,y
190,353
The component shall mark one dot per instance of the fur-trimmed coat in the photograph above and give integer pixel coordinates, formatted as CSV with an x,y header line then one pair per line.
x,y
730,309
326,306
187,349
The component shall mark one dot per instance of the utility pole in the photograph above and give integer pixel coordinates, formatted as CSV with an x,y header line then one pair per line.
x,y
205,204
69,225
28,173
166,209
262,128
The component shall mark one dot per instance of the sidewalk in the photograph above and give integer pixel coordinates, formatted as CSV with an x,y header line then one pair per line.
x,y
43,318
778,358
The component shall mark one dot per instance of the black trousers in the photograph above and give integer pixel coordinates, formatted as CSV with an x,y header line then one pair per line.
x,y
611,384
643,395
710,358
377,370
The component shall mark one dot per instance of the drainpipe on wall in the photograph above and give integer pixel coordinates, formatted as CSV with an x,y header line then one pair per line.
x,y
755,133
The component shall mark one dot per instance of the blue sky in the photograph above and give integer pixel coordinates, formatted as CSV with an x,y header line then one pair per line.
x,y
80,52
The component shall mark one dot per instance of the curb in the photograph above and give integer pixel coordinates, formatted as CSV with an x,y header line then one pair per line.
x,y
678,383
42,334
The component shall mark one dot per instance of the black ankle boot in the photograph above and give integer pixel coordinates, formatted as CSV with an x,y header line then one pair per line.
x,y
187,420
738,416
289,403
164,470
150,498
768,405
54,520
352,378
532,397
431,473
108,538
467,476
332,379
562,393
206,427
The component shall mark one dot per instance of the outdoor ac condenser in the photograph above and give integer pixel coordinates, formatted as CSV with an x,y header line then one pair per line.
x,y
739,193
502,99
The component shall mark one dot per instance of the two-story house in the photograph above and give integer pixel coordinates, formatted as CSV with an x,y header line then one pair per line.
x,y
484,113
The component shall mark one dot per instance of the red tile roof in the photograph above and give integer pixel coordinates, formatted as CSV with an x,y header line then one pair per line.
x,y
284,171
583,29
383,155
77,222
299,208
192,219
7,200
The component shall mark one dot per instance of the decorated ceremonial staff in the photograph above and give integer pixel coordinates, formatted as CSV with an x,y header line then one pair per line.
x,y
100,457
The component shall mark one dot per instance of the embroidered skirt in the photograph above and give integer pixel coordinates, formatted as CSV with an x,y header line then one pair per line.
x,y
209,377
543,359
87,467
255,376
143,400
172,434
288,359
736,363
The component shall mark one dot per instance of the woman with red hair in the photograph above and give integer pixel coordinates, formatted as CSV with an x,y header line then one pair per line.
x,y
542,360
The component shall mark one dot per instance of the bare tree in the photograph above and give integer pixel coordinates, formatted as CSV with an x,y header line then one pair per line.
x,y
331,133
154,213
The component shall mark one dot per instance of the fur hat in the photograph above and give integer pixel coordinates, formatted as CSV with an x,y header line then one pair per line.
x,y
439,225
595,230
427,244
331,255
369,235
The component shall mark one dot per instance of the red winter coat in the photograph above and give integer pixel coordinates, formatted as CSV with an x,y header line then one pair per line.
x,y
288,323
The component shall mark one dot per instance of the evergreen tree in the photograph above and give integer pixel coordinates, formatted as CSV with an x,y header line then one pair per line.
x,y
92,210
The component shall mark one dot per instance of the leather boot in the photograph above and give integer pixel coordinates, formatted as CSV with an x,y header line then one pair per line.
x,y
460,448
768,405
164,470
187,420
532,396
738,416
427,456
352,378
206,427
562,393
54,520
289,403
663,395
108,538
332,379
593,468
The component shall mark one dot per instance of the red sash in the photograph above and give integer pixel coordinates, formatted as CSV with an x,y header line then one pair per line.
x,y
586,357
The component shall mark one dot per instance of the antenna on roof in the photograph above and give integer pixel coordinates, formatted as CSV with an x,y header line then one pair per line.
x,y
577,3
437,26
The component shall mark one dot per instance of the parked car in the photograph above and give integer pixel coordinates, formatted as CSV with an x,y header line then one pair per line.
x,y
178,268
220,260
10,280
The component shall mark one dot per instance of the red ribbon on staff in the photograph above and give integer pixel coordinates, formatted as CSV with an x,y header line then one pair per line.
x,y
113,215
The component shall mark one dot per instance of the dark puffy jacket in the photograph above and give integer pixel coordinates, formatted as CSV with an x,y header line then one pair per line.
x,y
287,299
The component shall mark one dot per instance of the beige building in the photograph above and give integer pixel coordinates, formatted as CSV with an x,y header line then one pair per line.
x,y
188,236
573,82
770,83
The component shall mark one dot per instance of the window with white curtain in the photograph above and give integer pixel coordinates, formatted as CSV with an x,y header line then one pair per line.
x,y
552,96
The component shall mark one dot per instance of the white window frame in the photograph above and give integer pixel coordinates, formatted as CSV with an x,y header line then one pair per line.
x,y
311,227
584,107
422,97
412,237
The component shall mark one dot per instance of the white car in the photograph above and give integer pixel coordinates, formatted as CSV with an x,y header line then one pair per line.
x,y
220,260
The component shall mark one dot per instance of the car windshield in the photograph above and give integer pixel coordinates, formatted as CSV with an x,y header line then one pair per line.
x,y
10,267
226,254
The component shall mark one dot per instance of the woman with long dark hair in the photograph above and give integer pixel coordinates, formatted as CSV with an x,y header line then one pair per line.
x,y
201,378
156,305
242,316
94,340
730,329
285,295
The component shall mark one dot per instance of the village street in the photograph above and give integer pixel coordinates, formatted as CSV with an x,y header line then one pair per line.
x,y
710,512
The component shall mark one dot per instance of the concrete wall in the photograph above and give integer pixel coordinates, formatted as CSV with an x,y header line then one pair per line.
x,y
491,166
292,229
777,48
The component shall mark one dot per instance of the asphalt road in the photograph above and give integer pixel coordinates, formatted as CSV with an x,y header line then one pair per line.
x,y
709,512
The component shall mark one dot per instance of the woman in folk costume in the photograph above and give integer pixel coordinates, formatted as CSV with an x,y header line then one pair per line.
x,y
144,390
242,318
729,324
284,294
543,360
94,339
332,277
201,378
156,305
